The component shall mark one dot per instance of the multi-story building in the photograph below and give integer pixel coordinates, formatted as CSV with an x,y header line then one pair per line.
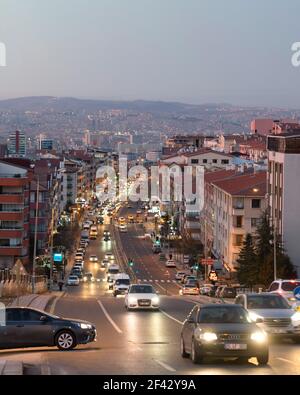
x,y
17,144
284,190
237,205
68,184
14,214
174,143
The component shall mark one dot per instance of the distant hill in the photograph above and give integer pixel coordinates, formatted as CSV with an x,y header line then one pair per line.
x,y
44,103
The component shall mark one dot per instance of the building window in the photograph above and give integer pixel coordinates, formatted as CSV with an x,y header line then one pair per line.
x,y
255,203
239,221
238,203
225,161
255,222
238,240
195,161
204,161
215,160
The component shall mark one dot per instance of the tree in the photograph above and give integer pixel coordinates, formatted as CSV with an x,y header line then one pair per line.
x,y
265,254
248,268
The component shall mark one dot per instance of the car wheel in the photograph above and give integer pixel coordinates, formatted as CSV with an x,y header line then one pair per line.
x,y
263,359
196,357
183,353
296,339
65,340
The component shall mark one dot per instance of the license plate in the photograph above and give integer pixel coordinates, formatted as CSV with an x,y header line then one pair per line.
x,y
276,330
237,346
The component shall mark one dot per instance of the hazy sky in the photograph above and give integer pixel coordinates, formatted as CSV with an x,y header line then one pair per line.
x,y
236,51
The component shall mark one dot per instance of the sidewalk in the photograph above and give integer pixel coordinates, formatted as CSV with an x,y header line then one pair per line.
x,y
39,302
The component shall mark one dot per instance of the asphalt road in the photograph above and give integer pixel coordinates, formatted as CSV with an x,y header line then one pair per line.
x,y
138,342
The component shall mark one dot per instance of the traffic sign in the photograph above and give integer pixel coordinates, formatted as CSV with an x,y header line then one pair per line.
x,y
297,293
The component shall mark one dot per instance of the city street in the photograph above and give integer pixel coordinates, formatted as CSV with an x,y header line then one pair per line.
x,y
137,342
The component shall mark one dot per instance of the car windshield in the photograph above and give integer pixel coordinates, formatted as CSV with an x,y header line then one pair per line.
x,y
141,289
190,285
223,315
290,285
267,302
124,281
113,271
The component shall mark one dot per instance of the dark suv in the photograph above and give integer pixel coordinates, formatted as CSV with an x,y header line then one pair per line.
x,y
27,327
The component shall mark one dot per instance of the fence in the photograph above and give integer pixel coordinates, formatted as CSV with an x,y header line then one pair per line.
x,y
10,287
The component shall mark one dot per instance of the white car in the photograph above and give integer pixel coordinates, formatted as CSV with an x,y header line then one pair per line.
x,y
285,288
170,263
93,258
142,296
73,280
179,275
123,228
189,289
121,284
112,271
79,265
110,256
79,257
105,263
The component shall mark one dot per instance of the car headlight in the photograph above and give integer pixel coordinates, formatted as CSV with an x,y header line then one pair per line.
x,y
83,325
155,300
296,318
84,278
208,336
132,300
259,337
253,316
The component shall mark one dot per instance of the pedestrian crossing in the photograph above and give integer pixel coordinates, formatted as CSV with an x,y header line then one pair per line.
x,y
156,281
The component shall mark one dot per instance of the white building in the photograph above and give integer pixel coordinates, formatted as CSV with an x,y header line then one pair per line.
x,y
284,190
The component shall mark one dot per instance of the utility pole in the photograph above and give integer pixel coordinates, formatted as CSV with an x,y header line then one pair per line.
x,y
35,234
274,238
205,249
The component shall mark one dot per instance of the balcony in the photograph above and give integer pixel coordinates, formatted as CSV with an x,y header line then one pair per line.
x,y
237,230
11,251
238,211
11,198
11,216
11,233
9,180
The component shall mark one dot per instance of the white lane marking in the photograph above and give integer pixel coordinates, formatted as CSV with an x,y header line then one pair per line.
x,y
286,360
109,317
151,281
164,365
171,317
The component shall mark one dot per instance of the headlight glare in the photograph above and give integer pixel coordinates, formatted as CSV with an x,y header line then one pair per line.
x,y
259,337
208,336
155,300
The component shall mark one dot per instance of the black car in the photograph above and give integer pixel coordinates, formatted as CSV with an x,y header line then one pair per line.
x,y
224,331
27,327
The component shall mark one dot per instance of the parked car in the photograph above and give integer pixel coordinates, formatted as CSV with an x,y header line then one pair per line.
x,y
79,257
218,290
205,289
227,292
223,331
28,327
285,288
162,257
272,313
73,280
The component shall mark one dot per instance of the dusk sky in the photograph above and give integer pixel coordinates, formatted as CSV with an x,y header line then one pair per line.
x,y
194,51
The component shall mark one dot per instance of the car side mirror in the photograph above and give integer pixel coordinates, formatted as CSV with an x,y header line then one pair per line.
x,y
259,320
43,318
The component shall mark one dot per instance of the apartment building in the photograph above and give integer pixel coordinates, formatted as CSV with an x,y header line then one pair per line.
x,y
17,144
237,205
14,214
284,190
